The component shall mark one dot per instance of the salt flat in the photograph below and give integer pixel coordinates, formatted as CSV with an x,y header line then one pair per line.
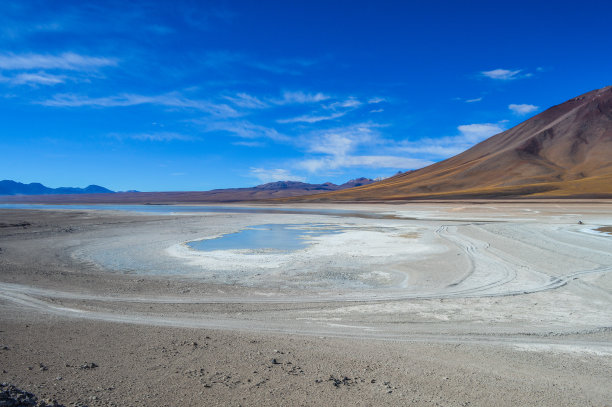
x,y
438,287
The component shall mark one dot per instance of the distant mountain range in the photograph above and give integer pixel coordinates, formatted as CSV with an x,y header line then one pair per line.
x,y
38,193
8,187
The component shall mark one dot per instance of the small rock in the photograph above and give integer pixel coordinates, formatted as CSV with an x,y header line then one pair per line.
x,y
88,365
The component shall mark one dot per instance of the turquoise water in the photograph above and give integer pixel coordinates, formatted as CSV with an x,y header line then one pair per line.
x,y
275,237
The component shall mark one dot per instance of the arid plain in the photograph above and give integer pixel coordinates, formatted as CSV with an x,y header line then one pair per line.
x,y
453,304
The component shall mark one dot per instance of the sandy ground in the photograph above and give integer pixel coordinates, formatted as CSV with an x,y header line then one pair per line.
x,y
420,304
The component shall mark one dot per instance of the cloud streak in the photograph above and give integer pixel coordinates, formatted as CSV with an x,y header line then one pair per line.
x,y
247,101
347,147
33,79
502,74
122,100
474,133
161,136
275,174
299,97
245,129
444,147
311,118
522,109
66,61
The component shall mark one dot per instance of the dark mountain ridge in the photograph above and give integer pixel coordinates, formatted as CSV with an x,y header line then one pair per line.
x,y
9,187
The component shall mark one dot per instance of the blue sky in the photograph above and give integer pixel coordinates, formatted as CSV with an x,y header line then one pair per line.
x,y
196,95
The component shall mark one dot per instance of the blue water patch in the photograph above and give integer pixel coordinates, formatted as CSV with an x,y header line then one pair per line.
x,y
274,237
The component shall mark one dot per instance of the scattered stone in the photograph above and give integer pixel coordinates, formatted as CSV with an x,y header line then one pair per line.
x,y
11,396
275,362
88,365
345,381
5,348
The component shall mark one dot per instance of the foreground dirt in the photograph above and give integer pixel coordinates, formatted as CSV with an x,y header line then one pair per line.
x,y
85,361
144,366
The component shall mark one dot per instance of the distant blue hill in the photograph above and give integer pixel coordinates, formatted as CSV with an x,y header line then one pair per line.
x,y
9,187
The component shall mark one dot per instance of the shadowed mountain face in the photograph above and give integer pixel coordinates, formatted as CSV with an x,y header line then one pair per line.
x,y
279,189
565,151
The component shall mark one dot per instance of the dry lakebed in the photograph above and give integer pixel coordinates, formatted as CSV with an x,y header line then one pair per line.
x,y
448,304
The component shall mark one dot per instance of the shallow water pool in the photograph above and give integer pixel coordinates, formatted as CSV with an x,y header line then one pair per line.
x,y
273,237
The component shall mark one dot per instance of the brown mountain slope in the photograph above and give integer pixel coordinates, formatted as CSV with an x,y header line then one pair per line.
x,y
565,151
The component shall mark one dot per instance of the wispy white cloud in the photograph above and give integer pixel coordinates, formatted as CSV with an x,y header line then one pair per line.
x,y
65,61
169,100
299,97
377,110
473,100
247,101
342,140
444,147
344,147
375,100
245,129
276,174
434,148
522,109
248,143
502,74
339,109
315,165
476,132
350,103
33,79
312,118
159,136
